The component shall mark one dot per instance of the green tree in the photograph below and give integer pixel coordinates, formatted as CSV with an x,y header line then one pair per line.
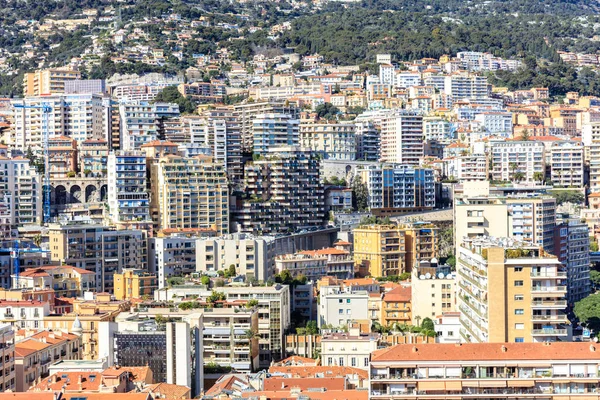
x,y
595,277
568,196
427,324
312,328
205,280
171,94
593,245
327,111
252,303
360,194
215,297
251,335
538,176
587,311
231,272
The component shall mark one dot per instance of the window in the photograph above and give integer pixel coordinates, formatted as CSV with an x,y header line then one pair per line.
x,y
348,301
518,283
353,361
329,360
340,301
366,362
348,311
518,269
341,311
518,297
519,326
519,311
450,333
341,364
519,340
432,294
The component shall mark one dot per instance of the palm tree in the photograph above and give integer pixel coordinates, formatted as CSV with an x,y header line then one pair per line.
x,y
513,166
519,176
251,334
538,176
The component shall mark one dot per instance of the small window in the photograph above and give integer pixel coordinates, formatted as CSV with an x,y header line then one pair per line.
x,y
518,283
518,269
519,326
519,340
518,297
519,311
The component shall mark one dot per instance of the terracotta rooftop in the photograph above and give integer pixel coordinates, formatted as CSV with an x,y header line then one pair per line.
x,y
169,391
226,382
276,383
105,396
297,361
360,282
328,395
327,251
69,381
158,143
136,374
489,352
400,293
326,371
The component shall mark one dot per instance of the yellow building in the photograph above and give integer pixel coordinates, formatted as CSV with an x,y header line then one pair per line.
x,y
510,291
48,81
380,249
134,284
422,243
396,306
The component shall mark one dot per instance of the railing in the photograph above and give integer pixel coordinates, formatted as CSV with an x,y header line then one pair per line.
x,y
548,331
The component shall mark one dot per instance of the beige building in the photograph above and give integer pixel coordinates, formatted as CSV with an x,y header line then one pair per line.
x,y
134,284
335,141
380,250
7,352
189,193
434,293
422,243
480,212
510,291
48,81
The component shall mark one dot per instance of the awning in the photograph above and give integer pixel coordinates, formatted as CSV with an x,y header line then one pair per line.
x,y
435,385
469,383
454,385
514,383
561,381
535,365
492,384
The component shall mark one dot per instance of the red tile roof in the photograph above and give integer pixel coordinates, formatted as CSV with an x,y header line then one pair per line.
x,y
489,351
276,383
311,372
169,391
400,293
328,395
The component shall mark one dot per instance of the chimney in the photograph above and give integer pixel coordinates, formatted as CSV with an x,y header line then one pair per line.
x,y
414,349
54,378
592,347
282,385
79,379
504,349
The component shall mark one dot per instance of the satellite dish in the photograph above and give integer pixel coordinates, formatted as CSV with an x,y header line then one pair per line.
x,y
428,275
434,260
421,276
441,275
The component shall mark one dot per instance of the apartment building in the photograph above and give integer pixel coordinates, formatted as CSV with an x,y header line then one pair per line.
x,y
78,116
221,130
572,247
489,370
283,193
529,218
189,193
246,113
134,284
396,306
367,137
518,161
23,314
434,291
99,249
436,128
510,291
467,87
338,308
128,199
422,243
139,122
395,188
495,122
351,349
252,256
62,156
35,354
171,256
225,339
48,81
380,249
313,267
472,168
203,92
65,280
340,262
23,192
567,164
274,130
402,138
93,157
7,351
590,134
334,141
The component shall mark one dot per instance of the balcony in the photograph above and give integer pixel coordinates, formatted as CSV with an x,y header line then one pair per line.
x,y
558,304
549,332
553,274
549,289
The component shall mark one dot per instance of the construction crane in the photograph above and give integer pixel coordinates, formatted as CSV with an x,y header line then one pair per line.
x,y
46,110
15,253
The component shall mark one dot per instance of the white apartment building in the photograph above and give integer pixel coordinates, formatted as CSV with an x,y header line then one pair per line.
x,y
402,138
472,168
572,247
335,141
350,349
23,192
253,256
514,161
436,128
386,73
567,164
139,122
339,308
407,79
79,116
171,256
466,87
274,130
495,122
23,314
128,199
447,327
433,294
